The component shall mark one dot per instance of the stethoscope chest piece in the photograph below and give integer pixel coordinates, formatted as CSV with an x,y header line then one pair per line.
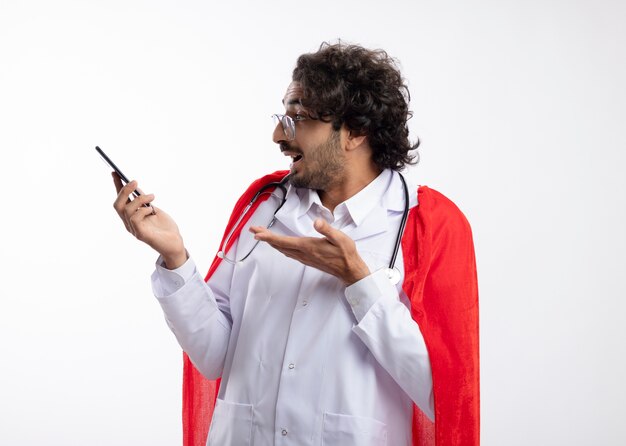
x,y
394,276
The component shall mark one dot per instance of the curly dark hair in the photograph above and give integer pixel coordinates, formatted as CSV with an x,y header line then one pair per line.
x,y
363,89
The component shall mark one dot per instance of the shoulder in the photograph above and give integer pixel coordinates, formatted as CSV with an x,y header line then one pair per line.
x,y
254,187
266,179
440,213
260,182
443,237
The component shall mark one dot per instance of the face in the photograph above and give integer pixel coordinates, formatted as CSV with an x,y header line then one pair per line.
x,y
318,159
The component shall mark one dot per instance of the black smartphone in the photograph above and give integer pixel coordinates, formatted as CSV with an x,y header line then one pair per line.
x,y
123,177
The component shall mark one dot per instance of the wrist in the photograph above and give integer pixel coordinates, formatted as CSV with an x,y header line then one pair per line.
x,y
175,260
358,273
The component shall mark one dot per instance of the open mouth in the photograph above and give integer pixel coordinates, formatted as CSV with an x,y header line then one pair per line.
x,y
293,154
294,160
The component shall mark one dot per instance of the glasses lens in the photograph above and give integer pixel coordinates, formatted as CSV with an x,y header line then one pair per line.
x,y
287,124
290,128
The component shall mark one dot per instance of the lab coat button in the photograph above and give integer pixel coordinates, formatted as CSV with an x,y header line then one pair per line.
x,y
284,432
292,365
304,303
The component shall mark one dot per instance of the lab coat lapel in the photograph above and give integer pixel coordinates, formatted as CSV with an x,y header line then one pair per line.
x,y
288,215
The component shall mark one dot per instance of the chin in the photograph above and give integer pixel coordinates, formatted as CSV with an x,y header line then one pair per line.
x,y
297,180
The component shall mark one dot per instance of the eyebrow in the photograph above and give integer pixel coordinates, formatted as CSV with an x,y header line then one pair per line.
x,y
293,102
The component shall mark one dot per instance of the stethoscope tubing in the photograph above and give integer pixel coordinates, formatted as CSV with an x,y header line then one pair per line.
x,y
393,275
405,216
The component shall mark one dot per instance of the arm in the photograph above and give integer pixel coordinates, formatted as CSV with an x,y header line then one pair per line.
x,y
385,326
197,313
198,316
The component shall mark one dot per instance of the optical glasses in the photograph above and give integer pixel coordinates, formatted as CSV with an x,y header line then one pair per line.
x,y
288,124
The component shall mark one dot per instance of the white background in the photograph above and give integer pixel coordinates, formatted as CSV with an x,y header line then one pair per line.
x,y
520,106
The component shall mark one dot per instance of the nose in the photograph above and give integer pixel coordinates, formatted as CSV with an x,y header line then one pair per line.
x,y
279,133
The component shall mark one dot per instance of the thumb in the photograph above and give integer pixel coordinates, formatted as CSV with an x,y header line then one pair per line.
x,y
333,235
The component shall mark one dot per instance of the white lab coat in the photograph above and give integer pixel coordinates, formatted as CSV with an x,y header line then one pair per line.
x,y
303,359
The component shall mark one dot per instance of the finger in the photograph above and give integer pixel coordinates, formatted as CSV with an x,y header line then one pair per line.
x,y
305,258
137,219
291,253
121,199
119,185
122,196
135,222
308,250
262,233
117,181
335,236
257,229
138,203
285,241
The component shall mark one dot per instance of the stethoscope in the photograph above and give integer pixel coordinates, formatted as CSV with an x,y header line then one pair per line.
x,y
393,273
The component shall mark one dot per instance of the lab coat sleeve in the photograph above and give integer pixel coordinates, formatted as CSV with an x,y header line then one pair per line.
x,y
197,313
386,327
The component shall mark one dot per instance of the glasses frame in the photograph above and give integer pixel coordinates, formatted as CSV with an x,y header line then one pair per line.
x,y
289,124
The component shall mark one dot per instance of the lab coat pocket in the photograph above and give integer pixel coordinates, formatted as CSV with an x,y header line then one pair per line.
x,y
231,424
347,430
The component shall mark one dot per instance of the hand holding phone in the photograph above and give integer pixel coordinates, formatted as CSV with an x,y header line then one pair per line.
x,y
141,219
119,173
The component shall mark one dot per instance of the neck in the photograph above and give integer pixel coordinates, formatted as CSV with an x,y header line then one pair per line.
x,y
347,186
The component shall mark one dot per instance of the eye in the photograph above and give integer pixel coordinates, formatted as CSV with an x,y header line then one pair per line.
x,y
300,117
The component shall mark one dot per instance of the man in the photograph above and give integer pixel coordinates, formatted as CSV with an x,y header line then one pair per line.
x,y
323,315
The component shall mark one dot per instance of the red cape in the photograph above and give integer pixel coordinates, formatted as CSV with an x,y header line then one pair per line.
x,y
440,280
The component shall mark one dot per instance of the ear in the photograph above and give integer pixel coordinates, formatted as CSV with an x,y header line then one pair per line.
x,y
354,141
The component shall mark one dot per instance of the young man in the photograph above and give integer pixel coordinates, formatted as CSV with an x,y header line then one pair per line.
x,y
342,306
